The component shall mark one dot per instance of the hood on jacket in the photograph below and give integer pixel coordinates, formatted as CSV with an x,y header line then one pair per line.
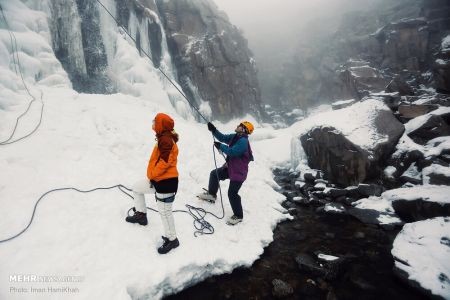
x,y
164,125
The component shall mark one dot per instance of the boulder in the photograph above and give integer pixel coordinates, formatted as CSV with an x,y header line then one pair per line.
x,y
399,85
328,267
410,111
412,175
352,150
419,209
361,80
307,263
419,202
392,100
405,44
281,289
435,126
437,174
336,193
368,190
441,69
385,220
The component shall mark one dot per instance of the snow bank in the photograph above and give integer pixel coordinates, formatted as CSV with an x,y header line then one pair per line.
x,y
422,250
88,141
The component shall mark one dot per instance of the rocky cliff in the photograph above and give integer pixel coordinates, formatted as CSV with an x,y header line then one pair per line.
x,y
400,44
211,57
192,41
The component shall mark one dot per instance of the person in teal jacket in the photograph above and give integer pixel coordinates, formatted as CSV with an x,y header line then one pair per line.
x,y
239,153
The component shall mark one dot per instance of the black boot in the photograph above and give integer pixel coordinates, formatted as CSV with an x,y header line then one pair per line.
x,y
137,217
168,245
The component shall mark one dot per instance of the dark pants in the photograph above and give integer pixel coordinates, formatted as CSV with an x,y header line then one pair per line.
x,y
235,199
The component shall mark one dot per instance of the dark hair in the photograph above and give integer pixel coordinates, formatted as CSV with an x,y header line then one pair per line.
x,y
245,128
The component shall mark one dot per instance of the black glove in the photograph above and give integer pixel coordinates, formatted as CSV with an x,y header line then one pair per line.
x,y
211,127
217,145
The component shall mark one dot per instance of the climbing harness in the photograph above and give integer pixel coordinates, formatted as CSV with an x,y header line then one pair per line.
x,y
198,214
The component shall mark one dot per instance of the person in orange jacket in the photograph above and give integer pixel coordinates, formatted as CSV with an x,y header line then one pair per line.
x,y
162,177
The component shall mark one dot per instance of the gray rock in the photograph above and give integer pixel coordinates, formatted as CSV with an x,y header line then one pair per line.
x,y
441,71
308,263
399,85
410,111
368,190
439,179
336,193
349,200
281,289
344,162
435,126
419,209
300,200
292,211
212,58
360,80
309,177
370,216
399,55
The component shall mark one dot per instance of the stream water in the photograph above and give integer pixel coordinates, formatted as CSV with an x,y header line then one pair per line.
x,y
366,272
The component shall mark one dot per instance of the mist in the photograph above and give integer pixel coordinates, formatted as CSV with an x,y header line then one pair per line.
x,y
276,29
273,25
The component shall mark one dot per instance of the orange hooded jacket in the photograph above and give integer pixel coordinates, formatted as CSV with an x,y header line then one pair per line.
x,y
163,161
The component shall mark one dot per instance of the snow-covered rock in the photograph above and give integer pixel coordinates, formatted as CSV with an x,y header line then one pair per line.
x,y
375,210
419,202
422,256
436,174
432,125
349,143
412,175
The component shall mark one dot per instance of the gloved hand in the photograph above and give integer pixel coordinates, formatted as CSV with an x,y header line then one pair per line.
x,y
217,145
211,127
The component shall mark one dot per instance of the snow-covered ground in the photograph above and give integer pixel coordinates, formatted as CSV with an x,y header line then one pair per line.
x,y
87,141
419,249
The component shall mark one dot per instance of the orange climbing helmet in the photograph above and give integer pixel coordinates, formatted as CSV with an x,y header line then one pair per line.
x,y
248,127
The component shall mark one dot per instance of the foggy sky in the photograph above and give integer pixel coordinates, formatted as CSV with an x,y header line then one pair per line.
x,y
271,25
